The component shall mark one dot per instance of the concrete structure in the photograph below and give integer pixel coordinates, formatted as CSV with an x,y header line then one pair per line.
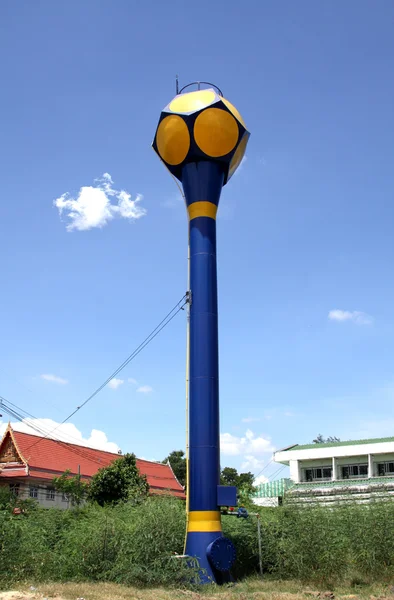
x,y
327,472
28,464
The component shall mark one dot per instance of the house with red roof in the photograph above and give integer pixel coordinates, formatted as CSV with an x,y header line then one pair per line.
x,y
28,464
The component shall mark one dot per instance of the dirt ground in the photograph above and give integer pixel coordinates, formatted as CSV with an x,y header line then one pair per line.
x,y
253,589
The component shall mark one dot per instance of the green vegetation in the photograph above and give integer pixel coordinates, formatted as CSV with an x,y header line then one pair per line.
x,y
72,486
133,543
320,439
119,482
177,460
228,476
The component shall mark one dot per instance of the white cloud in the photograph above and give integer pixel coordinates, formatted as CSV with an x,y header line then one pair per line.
x,y
93,206
54,379
133,381
289,414
65,432
261,479
356,316
252,462
174,202
232,445
250,419
145,389
115,383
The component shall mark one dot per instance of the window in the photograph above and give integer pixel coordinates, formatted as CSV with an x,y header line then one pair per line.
x,y
386,468
33,492
50,493
14,488
318,474
354,471
64,498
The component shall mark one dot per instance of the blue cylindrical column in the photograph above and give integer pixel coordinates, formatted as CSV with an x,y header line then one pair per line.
x,y
202,183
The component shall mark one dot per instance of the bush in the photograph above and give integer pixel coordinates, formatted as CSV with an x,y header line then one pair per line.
x,y
25,545
133,543
154,531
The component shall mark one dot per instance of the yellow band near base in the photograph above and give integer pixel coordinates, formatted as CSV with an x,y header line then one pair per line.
x,y
204,520
202,209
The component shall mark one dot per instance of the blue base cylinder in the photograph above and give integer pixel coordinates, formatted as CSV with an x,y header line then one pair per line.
x,y
196,546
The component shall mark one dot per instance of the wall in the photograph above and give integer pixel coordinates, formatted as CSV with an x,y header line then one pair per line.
x,y
24,492
266,502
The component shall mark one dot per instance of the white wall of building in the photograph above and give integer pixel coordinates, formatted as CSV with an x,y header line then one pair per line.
x,y
295,473
266,502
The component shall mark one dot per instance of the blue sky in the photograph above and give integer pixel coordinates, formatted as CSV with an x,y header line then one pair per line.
x,y
304,228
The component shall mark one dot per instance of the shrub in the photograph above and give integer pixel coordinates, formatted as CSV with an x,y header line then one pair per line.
x,y
132,543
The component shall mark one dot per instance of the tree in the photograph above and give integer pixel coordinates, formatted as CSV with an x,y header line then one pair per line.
x,y
119,482
321,440
229,476
242,481
178,464
71,486
245,483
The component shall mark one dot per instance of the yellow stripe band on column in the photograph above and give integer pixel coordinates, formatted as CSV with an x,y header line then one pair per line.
x,y
202,209
204,520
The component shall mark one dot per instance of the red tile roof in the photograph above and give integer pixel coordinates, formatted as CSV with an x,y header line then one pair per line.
x,y
47,458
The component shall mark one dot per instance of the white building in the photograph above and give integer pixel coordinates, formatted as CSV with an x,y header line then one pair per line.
x,y
333,471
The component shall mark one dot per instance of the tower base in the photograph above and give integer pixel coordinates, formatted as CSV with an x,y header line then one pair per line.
x,y
214,553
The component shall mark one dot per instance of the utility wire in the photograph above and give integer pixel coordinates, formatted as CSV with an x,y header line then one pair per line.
x,y
79,450
277,472
26,416
167,319
263,469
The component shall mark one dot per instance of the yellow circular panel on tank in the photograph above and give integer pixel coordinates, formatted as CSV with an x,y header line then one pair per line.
x,y
173,139
238,156
193,101
232,109
215,132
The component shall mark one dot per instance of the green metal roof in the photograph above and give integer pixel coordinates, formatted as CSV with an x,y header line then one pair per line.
x,y
335,444
273,489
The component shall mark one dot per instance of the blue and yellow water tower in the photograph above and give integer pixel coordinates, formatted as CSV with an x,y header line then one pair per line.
x,y
201,138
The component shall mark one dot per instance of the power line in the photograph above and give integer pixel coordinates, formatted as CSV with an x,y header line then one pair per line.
x,y
80,451
264,468
277,472
21,414
7,374
24,416
163,323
